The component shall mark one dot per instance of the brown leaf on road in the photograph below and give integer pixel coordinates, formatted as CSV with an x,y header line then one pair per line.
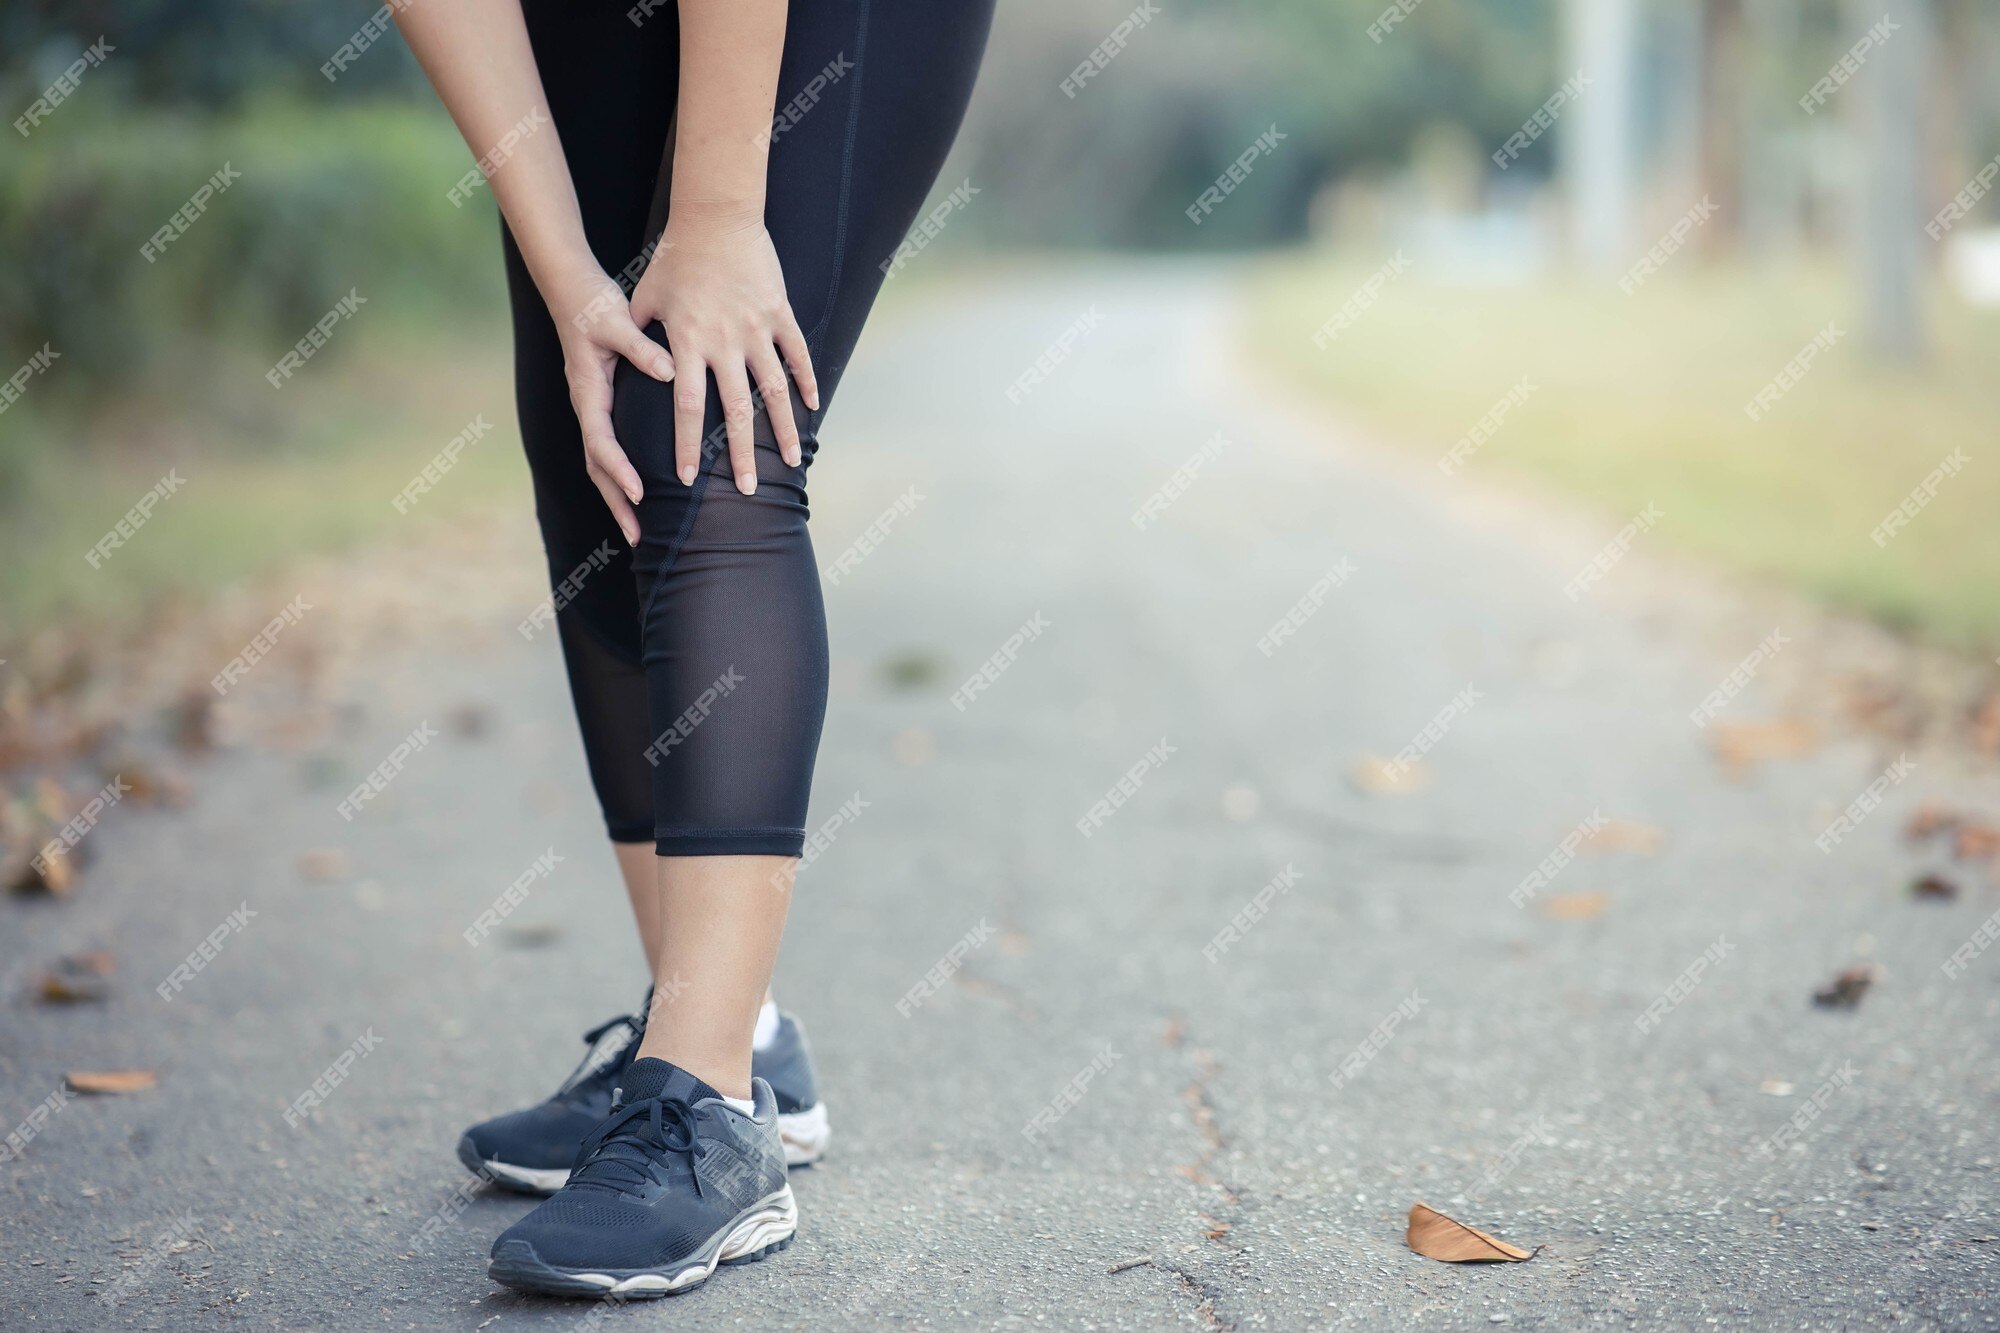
x,y
324,863
1974,839
1587,906
112,1080
1845,990
1376,776
76,979
1436,1236
1622,835
1983,724
1739,746
1929,818
1934,888
54,875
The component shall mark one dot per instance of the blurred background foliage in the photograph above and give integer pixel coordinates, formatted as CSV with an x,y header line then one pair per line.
x,y
1387,149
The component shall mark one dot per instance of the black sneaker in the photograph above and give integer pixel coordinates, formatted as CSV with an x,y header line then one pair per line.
x,y
786,1064
673,1183
531,1150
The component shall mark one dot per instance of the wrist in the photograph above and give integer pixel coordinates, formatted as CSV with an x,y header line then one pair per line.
x,y
570,282
714,216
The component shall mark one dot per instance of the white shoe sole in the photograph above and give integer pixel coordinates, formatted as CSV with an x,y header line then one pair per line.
x,y
760,1231
805,1135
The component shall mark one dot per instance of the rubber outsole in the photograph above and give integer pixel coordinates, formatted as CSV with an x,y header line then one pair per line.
x,y
756,1233
804,1134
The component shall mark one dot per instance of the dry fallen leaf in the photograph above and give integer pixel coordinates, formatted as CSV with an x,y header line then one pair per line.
x,y
1587,906
471,721
55,874
1377,776
1975,839
1936,888
1845,991
1930,818
1739,745
112,1080
1436,1236
1983,724
1620,835
324,863
77,979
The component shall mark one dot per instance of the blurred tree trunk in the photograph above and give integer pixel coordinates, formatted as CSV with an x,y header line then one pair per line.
x,y
1773,177
1599,143
1725,118
1893,96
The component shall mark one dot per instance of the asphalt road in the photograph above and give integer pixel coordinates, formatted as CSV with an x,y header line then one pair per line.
x,y
1230,1117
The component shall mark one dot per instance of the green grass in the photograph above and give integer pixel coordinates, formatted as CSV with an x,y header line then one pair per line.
x,y
1640,399
266,475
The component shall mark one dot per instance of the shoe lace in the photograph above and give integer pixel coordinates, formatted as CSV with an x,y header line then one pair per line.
x,y
600,1062
621,1154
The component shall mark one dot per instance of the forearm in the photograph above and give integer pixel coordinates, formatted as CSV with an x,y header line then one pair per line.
x,y
476,54
729,82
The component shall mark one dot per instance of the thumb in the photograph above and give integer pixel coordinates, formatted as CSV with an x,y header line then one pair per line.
x,y
630,341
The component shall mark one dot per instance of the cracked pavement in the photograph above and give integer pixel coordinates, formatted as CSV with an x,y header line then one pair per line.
x,y
1189,1114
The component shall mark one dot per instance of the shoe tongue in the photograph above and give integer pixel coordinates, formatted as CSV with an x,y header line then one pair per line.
x,y
648,1078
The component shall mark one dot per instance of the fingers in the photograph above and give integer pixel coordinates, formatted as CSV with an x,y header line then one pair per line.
x,y
739,416
590,395
690,401
770,375
615,499
628,340
793,344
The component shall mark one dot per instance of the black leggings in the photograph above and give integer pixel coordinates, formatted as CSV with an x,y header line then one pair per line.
x,y
698,661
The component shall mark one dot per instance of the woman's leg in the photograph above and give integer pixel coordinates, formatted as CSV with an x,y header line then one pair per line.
x,y
733,630
611,91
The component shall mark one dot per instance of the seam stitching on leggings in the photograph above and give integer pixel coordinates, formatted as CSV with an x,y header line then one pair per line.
x,y
846,173
673,552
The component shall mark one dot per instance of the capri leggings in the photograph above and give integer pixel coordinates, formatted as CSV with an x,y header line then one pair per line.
x,y
698,659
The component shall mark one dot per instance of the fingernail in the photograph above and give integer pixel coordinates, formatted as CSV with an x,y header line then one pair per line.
x,y
687,475
747,482
633,495
663,370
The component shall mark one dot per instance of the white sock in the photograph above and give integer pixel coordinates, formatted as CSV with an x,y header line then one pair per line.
x,y
743,1104
767,1027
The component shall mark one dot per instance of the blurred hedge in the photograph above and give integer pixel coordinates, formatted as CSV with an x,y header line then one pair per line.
x,y
329,198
